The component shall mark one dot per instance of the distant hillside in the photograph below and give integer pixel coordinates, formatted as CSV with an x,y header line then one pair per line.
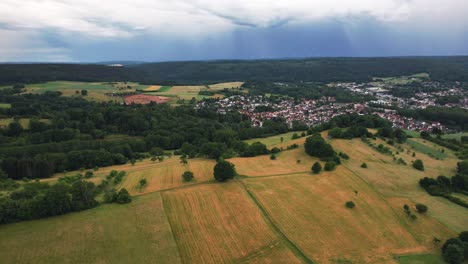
x,y
318,69
193,72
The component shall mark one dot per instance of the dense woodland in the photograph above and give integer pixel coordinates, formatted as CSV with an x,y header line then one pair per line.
x,y
292,70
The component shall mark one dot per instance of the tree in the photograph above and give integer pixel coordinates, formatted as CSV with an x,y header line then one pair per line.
x,y
143,182
418,164
316,167
123,196
350,204
364,165
421,208
88,174
224,170
330,165
84,92
187,176
14,129
316,146
453,254
273,157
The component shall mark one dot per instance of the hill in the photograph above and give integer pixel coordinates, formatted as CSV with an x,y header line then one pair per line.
x,y
276,211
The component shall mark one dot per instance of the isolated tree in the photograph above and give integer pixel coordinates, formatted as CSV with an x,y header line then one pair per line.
x,y
123,196
224,170
187,176
143,182
273,157
421,208
350,204
364,165
418,164
316,167
84,92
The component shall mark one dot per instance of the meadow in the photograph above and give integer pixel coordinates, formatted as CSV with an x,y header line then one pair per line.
x,y
276,211
97,91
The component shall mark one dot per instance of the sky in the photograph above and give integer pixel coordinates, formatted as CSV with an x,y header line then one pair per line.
x,y
168,30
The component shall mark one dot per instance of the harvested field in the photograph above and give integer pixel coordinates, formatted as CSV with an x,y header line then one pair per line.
x,y
167,175
310,211
228,85
135,233
218,223
275,141
153,88
145,99
285,163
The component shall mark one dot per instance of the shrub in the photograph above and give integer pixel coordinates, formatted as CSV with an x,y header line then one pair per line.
x,y
316,168
364,165
344,155
330,165
88,174
187,176
421,208
418,164
275,150
272,157
143,182
350,204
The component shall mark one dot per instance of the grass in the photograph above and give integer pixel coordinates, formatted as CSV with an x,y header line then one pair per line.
x,y
405,79
426,149
97,91
420,259
135,233
455,135
5,106
274,140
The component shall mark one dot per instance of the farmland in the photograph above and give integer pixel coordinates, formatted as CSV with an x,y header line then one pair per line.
x,y
96,91
187,92
275,212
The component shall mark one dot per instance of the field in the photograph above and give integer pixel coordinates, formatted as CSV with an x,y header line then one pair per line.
x,y
96,91
275,212
455,135
405,79
187,92
24,122
134,233
427,148
219,224
5,106
274,141
145,99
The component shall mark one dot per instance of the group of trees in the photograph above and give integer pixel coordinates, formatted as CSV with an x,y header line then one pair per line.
x,y
455,250
70,133
443,185
316,146
36,200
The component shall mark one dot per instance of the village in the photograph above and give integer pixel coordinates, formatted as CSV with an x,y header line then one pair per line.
x,y
315,112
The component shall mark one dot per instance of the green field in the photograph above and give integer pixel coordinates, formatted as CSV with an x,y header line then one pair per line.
x,y
420,259
426,149
455,135
404,79
277,212
274,140
165,88
5,106
97,91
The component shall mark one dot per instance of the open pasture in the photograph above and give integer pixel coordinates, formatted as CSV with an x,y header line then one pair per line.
x,y
275,141
228,85
218,223
135,233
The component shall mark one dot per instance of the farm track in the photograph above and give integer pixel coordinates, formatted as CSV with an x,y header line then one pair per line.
x,y
294,248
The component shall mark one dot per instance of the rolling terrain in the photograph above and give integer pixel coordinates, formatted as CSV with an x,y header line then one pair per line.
x,y
276,211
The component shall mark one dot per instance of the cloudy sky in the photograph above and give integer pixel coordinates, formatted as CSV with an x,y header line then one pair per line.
x,y
162,30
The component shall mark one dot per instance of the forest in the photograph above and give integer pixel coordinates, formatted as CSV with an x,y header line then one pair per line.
x,y
284,70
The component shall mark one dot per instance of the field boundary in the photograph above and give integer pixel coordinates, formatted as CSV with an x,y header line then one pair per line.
x,y
289,243
163,200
